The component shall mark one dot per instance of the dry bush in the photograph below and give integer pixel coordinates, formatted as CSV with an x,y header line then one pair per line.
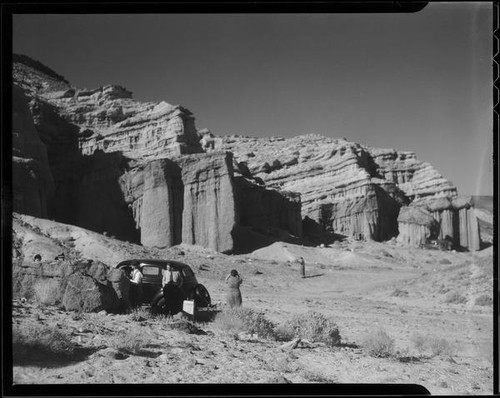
x,y
316,377
311,326
48,291
436,346
484,300
139,314
244,320
399,293
378,344
455,298
93,323
42,340
132,342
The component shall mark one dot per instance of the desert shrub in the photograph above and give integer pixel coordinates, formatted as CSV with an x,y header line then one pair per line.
x,y
139,314
436,346
399,293
316,377
48,291
484,300
378,344
244,320
93,323
132,342
311,326
40,339
455,298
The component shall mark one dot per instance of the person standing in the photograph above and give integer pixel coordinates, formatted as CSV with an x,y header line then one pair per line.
x,y
172,282
302,267
233,282
136,283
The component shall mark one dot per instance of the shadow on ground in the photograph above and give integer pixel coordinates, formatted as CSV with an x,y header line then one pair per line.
x,y
32,356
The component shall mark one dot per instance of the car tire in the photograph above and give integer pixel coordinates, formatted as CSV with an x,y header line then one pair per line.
x,y
201,296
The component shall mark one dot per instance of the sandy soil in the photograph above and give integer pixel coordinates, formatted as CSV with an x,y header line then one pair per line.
x,y
361,286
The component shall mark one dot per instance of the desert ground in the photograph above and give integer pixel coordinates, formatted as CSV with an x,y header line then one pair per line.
x,y
442,299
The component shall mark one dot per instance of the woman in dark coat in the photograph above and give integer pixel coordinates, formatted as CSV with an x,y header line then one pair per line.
x,y
233,281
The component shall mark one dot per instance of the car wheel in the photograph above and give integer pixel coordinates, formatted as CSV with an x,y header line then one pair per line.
x,y
201,296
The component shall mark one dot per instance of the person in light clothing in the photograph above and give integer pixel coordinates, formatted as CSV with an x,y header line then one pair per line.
x,y
233,295
136,284
172,282
171,276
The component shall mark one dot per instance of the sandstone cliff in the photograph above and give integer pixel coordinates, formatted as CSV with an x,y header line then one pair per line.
x,y
354,190
144,173
32,181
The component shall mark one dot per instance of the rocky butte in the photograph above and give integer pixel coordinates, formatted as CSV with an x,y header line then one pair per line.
x,y
143,172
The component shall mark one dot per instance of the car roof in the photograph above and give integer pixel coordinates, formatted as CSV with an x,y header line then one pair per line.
x,y
159,263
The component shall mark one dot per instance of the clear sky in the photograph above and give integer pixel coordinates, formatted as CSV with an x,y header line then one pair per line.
x,y
417,82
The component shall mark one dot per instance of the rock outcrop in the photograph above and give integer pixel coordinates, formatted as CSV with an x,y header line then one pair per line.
x,y
136,170
187,199
453,218
354,190
76,285
144,173
32,181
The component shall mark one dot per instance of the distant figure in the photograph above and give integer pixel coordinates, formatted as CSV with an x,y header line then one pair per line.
x,y
136,284
37,258
172,282
233,296
302,267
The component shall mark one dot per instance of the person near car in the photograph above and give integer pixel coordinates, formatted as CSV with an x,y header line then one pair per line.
x,y
136,284
171,276
172,281
233,294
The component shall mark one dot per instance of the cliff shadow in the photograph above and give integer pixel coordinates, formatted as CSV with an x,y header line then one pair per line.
x,y
99,202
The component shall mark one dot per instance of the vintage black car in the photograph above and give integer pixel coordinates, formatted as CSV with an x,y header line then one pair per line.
x,y
153,293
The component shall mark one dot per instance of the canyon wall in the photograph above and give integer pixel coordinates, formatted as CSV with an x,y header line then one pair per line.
x,y
141,171
32,180
354,190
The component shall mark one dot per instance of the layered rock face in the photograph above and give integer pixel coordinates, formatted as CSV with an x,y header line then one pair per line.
x,y
451,218
188,199
144,173
351,189
32,180
108,119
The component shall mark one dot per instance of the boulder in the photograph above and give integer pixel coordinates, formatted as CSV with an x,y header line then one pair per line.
x,y
84,293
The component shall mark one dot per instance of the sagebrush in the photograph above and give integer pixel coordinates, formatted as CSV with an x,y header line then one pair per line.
x,y
378,344
244,320
435,346
484,300
312,326
132,342
455,298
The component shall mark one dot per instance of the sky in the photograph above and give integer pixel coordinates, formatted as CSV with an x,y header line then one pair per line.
x,y
418,82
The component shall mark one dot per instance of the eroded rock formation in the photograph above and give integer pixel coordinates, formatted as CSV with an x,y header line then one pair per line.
x,y
354,190
32,180
144,173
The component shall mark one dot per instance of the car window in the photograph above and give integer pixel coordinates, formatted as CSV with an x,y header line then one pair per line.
x,y
153,271
187,272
